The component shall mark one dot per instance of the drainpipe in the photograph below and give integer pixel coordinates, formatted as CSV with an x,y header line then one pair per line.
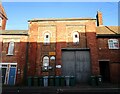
x,y
26,64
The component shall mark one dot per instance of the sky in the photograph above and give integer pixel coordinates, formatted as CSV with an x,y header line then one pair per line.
x,y
19,13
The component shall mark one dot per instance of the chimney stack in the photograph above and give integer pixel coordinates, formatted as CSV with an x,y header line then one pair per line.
x,y
99,18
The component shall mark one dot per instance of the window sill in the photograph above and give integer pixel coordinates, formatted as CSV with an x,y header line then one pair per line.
x,y
46,44
44,68
114,48
9,54
75,44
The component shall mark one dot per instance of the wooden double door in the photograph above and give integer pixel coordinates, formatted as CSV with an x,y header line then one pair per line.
x,y
76,63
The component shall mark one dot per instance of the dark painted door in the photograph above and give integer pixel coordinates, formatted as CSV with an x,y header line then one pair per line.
x,y
104,70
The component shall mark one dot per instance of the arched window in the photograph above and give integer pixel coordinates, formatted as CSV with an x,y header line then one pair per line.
x,y
11,48
46,61
76,37
46,38
52,58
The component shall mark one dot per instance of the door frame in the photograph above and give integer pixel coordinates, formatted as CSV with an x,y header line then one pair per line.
x,y
8,69
107,62
5,72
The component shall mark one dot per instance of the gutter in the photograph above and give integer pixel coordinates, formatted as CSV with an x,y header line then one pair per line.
x,y
108,35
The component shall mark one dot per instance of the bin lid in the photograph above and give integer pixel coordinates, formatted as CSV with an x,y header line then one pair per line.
x,y
51,76
30,77
67,76
72,76
45,77
57,76
35,77
92,76
40,76
99,75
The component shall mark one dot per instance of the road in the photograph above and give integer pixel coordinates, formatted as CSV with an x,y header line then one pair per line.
x,y
59,90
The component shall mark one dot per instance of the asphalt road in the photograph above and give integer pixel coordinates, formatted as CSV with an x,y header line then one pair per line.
x,y
55,90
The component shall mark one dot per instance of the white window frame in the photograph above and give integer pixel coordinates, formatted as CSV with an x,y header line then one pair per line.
x,y
45,61
47,40
0,21
112,44
11,48
76,40
8,66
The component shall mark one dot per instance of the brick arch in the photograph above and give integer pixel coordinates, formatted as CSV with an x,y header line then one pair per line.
x,y
47,31
74,32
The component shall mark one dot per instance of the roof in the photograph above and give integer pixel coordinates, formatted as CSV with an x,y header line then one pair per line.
x,y
14,32
108,30
2,11
59,19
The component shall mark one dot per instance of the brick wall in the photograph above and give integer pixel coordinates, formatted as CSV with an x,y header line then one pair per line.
x,y
3,24
105,52
19,55
92,44
112,55
61,37
4,18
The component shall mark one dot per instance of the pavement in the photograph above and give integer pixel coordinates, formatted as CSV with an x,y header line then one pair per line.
x,y
78,89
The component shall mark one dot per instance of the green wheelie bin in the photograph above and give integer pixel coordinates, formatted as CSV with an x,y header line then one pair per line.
x,y
72,80
29,81
51,80
35,81
57,80
40,81
93,80
62,81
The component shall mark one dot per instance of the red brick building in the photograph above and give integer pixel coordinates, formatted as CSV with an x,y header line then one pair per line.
x,y
3,18
67,41
108,39
13,52
64,46
14,46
